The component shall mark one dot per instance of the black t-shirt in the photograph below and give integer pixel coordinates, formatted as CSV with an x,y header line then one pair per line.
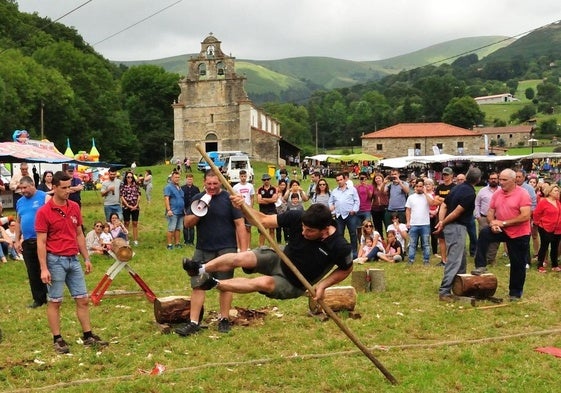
x,y
464,195
313,258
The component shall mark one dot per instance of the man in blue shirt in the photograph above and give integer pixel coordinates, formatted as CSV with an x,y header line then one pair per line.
x,y
26,207
344,203
174,199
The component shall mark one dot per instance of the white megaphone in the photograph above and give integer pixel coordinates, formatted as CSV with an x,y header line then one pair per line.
x,y
199,207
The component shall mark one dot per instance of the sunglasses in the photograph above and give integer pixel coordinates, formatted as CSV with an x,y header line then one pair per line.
x,y
367,225
322,184
129,177
99,226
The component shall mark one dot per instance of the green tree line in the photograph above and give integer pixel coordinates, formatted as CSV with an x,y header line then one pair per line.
x,y
47,68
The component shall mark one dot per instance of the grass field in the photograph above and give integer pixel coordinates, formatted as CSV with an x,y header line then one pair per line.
x,y
427,346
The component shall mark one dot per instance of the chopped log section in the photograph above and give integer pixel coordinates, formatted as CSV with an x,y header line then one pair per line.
x,y
480,287
359,281
121,249
337,298
172,309
377,280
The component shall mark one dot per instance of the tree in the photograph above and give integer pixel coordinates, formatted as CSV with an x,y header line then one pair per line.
x,y
548,127
463,112
529,93
147,92
524,114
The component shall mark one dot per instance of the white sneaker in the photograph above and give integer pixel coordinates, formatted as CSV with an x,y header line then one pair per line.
x,y
507,264
135,242
527,266
19,257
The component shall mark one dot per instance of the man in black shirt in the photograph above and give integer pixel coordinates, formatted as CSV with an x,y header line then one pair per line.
x,y
314,247
189,191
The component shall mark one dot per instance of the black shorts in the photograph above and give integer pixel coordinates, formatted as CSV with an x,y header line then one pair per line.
x,y
128,214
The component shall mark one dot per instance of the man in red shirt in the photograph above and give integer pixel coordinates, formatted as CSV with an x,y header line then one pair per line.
x,y
509,221
59,239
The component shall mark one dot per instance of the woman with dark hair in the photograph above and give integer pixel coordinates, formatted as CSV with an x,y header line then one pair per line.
x,y
47,182
322,193
130,200
380,201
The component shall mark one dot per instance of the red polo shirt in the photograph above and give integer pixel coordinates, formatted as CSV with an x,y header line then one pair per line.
x,y
60,223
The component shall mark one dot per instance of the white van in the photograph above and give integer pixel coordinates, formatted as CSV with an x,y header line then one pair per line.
x,y
233,166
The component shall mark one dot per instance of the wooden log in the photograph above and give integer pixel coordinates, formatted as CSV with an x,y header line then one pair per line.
x,y
359,281
172,309
480,287
121,249
377,280
337,298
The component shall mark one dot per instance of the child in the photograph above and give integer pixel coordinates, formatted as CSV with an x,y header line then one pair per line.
x,y
393,249
11,232
106,237
295,202
365,250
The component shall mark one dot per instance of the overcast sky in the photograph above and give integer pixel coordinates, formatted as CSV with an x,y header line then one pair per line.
x,y
277,29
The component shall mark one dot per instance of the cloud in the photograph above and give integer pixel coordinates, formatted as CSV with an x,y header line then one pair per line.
x,y
257,29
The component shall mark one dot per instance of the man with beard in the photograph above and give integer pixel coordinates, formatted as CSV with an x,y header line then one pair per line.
x,y
482,201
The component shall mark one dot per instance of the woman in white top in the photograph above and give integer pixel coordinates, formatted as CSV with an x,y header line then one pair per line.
x,y
93,240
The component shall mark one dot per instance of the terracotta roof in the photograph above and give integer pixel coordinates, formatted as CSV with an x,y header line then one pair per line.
x,y
502,130
420,130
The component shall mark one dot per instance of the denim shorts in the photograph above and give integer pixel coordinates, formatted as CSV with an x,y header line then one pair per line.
x,y
175,222
65,270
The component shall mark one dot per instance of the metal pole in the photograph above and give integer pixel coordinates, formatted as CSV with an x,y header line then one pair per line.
x,y
42,122
249,213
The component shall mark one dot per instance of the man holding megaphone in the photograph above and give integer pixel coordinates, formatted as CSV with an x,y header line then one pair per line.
x,y
218,224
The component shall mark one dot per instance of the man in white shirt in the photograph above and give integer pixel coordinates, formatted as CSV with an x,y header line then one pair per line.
x,y
417,213
482,201
247,191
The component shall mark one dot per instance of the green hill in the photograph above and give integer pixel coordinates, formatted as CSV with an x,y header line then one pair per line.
x,y
294,79
544,42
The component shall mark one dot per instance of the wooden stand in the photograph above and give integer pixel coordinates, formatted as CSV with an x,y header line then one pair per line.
x,y
480,287
359,281
377,280
337,298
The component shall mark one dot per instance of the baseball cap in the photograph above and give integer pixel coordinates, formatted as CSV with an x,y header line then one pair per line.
x,y
448,171
266,176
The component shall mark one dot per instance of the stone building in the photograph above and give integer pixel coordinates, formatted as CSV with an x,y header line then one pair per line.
x,y
511,136
422,139
213,109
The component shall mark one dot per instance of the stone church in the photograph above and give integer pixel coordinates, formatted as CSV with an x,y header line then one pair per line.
x,y
214,110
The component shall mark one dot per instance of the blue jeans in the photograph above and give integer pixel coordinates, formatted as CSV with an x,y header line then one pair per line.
x,y
456,261
108,209
351,223
518,254
422,231
65,270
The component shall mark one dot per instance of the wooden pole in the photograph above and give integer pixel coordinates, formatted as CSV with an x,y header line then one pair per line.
x,y
249,213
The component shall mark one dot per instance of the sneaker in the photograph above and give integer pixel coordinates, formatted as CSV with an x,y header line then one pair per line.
x,y
94,341
191,267
61,346
446,298
203,281
187,330
507,264
441,264
224,325
179,245
170,247
426,263
135,242
556,269
527,266
479,271
514,298
437,256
